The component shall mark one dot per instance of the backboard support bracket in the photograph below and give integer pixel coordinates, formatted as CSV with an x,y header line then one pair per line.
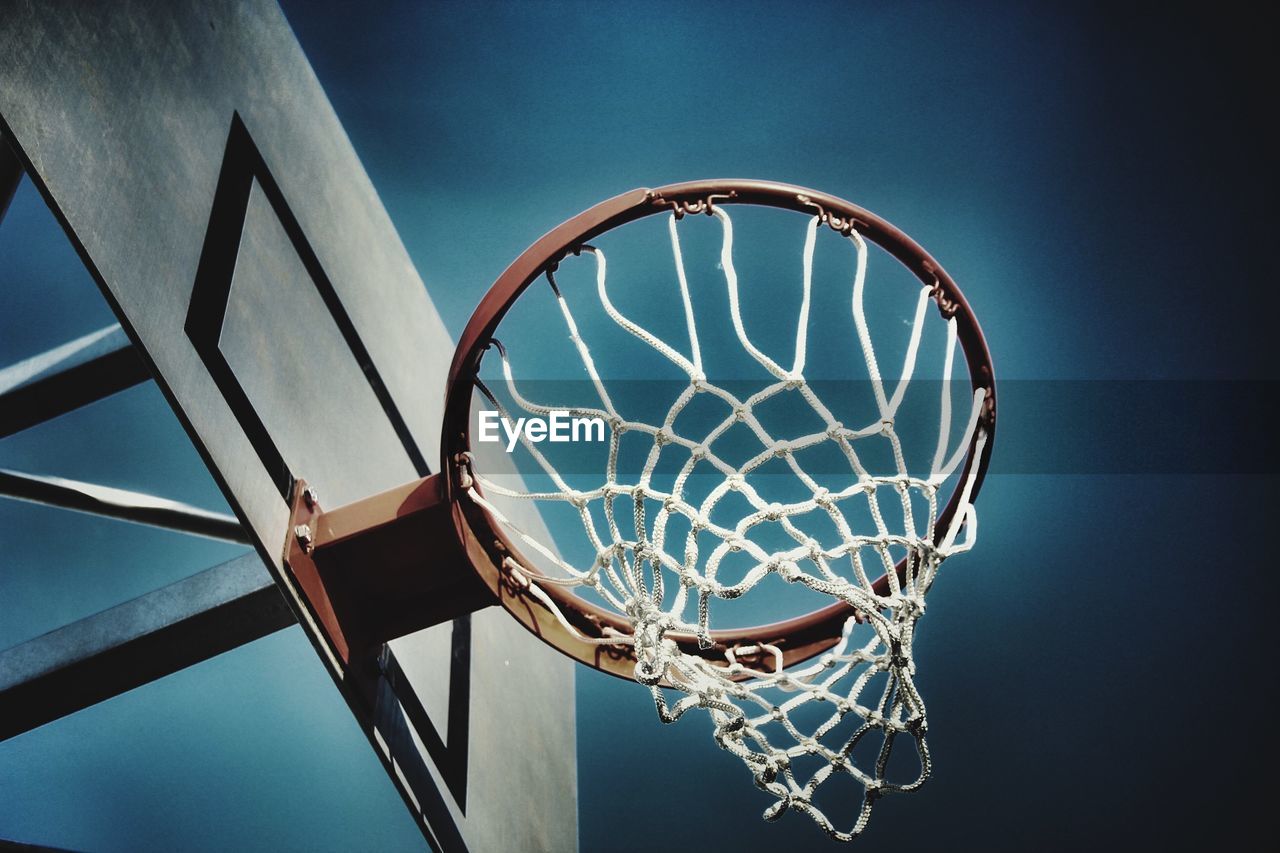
x,y
381,567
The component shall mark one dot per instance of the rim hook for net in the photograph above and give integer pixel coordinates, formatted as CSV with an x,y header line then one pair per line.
x,y
711,201
842,225
681,208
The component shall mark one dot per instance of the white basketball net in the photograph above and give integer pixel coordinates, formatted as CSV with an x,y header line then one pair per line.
x,y
752,700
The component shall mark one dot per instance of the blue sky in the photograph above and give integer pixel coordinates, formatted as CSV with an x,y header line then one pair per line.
x,y
1096,178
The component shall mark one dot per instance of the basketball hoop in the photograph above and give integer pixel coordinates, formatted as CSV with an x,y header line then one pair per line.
x,y
642,634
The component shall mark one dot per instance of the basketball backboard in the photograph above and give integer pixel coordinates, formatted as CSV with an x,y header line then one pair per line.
x,y
197,166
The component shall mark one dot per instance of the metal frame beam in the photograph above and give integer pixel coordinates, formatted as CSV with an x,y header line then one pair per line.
x,y
99,657
122,504
157,634
69,376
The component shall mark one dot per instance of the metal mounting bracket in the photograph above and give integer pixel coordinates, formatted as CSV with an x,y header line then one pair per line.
x,y
381,567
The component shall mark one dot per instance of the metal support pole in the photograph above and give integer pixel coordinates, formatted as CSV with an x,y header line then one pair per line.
x,y
119,503
67,377
131,644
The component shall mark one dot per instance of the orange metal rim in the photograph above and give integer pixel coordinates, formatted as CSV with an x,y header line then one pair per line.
x,y
485,542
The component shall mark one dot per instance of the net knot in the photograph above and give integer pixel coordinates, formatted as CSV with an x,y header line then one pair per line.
x,y
910,607
463,461
648,672
518,577
897,657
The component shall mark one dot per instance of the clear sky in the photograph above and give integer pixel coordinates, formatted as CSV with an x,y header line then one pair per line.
x,y
1097,177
